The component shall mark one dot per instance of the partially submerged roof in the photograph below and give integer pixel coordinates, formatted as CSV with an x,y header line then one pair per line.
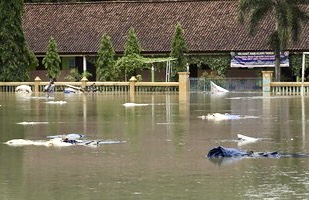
x,y
209,26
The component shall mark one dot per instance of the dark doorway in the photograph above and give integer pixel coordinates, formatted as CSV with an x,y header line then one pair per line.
x,y
92,70
193,70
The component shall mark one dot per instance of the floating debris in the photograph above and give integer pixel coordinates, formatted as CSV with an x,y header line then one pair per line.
x,y
215,88
134,104
56,102
31,123
73,139
23,89
226,116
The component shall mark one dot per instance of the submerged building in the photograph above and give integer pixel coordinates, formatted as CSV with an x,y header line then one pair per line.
x,y
210,28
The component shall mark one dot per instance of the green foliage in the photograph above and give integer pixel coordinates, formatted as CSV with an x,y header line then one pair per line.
x,y
86,74
139,77
105,64
76,76
52,59
129,64
288,22
15,56
212,75
34,61
179,50
218,63
274,40
132,45
296,63
132,59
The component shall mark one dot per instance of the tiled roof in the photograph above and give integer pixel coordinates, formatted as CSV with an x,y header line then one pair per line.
x,y
209,26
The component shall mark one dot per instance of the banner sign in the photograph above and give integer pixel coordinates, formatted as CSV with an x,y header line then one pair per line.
x,y
258,59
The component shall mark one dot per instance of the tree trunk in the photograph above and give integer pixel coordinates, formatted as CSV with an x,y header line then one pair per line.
x,y
277,66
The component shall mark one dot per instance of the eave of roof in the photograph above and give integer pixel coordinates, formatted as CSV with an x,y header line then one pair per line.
x,y
209,26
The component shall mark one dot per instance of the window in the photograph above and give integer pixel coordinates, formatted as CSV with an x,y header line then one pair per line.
x,y
68,62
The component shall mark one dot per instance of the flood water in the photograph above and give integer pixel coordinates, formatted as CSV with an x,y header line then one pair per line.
x,y
163,151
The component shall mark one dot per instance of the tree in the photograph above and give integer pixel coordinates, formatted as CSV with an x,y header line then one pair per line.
x,y
52,59
296,64
288,20
105,64
132,45
15,56
132,59
179,50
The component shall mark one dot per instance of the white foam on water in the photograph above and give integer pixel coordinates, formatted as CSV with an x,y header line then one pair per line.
x,y
56,102
31,123
134,104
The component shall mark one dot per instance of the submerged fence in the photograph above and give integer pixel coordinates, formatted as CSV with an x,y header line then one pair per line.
x,y
231,84
289,88
283,88
10,86
116,87
183,86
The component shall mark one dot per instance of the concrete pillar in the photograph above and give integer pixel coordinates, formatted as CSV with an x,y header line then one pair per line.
x,y
132,81
37,81
84,83
184,82
184,86
267,78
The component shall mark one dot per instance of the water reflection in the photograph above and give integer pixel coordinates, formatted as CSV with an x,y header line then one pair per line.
x,y
303,123
225,160
164,156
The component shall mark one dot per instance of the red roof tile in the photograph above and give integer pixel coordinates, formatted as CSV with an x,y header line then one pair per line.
x,y
209,26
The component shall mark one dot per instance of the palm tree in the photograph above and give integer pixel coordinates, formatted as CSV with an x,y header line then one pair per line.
x,y
288,22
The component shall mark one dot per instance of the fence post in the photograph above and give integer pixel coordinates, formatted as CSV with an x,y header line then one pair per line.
x,y
37,81
84,83
184,86
184,82
132,88
267,78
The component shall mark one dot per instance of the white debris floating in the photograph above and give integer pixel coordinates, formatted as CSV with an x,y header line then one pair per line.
x,y
134,104
23,89
216,88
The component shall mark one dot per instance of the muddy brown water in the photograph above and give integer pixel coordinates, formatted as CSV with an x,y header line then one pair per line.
x,y
163,156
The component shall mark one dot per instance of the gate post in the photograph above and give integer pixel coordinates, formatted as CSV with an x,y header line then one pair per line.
x,y
267,78
184,86
132,88
84,83
184,82
37,81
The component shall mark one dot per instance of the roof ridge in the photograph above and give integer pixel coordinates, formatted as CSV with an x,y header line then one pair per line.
x,y
120,1
209,26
